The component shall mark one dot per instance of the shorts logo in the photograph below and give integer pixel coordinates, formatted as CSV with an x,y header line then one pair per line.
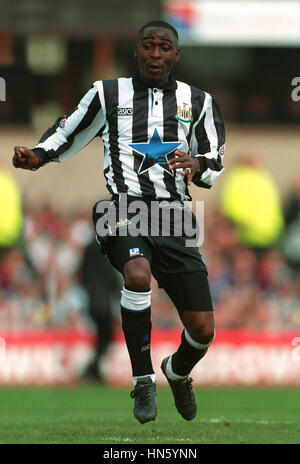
x,y
134,252
184,113
125,111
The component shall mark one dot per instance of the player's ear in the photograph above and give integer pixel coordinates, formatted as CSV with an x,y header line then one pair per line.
x,y
136,50
177,54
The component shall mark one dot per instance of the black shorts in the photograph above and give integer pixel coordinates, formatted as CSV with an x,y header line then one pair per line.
x,y
178,269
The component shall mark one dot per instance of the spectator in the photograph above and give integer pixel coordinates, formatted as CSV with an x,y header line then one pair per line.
x,y
103,286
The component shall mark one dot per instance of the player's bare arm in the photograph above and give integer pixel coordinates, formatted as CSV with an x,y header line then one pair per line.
x,y
186,162
25,158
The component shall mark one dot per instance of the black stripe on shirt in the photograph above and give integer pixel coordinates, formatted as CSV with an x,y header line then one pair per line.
x,y
170,135
111,96
55,126
105,171
219,123
197,101
140,135
92,110
202,139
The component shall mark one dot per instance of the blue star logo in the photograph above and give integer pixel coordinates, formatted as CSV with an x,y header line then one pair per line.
x,y
155,152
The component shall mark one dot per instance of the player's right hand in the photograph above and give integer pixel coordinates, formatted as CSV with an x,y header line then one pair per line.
x,y
25,158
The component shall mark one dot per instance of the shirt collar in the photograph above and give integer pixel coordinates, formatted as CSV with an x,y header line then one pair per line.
x,y
140,84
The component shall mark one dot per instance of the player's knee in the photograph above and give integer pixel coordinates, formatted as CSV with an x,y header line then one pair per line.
x,y
137,275
202,334
201,327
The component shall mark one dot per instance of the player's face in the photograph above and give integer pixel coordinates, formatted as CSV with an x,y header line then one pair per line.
x,y
156,53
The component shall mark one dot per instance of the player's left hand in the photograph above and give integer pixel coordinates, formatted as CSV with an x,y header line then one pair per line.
x,y
184,161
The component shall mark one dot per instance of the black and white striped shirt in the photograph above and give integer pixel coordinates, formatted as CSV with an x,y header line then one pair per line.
x,y
141,127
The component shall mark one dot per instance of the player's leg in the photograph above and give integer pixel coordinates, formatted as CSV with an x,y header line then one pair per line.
x,y
196,338
131,256
104,324
191,296
136,316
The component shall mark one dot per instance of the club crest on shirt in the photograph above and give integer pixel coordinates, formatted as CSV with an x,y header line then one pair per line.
x,y
184,113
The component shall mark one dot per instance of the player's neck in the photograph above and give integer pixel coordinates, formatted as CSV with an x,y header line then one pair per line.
x,y
159,84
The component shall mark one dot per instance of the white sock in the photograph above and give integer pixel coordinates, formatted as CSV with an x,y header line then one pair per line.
x,y
135,301
169,371
199,346
138,377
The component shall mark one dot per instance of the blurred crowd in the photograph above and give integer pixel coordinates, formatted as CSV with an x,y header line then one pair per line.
x,y
41,281
39,278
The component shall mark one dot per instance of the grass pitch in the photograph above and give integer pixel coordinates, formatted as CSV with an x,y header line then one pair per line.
x,y
103,415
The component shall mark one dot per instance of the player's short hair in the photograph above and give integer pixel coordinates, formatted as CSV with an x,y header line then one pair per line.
x,y
158,23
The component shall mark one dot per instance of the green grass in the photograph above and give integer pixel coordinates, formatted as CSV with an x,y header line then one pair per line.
x,y
103,415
